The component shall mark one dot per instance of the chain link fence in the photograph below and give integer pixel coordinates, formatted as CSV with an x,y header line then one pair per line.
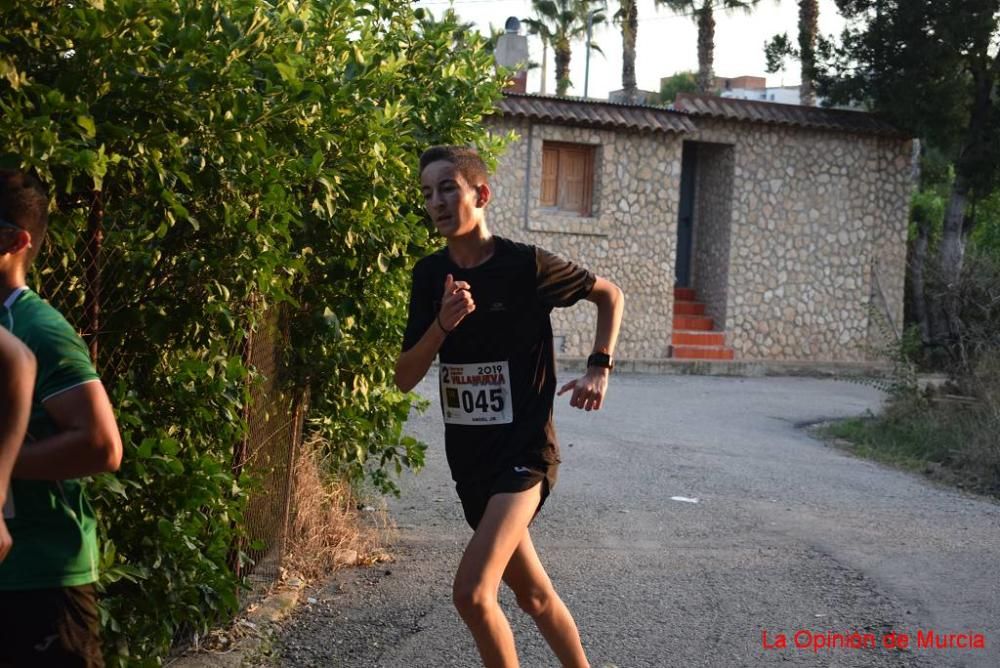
x,y
79,279
274,419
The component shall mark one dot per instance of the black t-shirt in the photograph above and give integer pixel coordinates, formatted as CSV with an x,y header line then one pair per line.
x,y
498,364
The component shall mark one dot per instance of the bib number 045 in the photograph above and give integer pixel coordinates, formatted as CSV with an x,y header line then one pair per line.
x,y
476,394
477,401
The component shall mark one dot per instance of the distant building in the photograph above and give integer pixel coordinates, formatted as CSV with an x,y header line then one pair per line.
x,y
739,229
511,51
642,97
756,88
747,83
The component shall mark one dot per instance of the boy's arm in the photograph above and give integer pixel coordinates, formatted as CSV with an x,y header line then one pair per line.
x,y
17,384
87,441
589,390
412,364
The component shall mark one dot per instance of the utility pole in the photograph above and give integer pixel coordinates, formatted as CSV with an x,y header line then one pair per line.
x,y
545,62
590,31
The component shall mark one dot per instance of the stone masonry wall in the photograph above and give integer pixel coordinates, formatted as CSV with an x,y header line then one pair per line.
x,y
889,246
813,213
712,227
630,238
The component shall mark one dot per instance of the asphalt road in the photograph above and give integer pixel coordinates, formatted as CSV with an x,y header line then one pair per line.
x,y
788,537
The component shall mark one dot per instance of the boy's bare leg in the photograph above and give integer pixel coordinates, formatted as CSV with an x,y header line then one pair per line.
x,y
477,583
537,597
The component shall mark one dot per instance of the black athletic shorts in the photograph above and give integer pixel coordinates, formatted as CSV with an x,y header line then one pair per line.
x,y
50,628
476,494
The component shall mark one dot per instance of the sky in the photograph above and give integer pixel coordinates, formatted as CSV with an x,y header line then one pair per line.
x,y
667,42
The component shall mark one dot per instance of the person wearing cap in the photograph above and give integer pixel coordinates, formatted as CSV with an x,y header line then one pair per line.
x,y
48,604
481,304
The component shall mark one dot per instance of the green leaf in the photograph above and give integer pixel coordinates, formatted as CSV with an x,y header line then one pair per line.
x,y
286,71
87,123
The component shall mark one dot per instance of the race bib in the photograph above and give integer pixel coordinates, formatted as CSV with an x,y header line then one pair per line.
x,y
476,394
8,505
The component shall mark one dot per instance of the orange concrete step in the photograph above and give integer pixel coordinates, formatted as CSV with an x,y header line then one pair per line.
x,y
699,322
689,308
684,294
703,353
696,338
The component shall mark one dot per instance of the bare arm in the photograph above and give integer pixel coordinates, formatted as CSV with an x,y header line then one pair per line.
x,y
610,306
590,389
87,442
17,383
412,364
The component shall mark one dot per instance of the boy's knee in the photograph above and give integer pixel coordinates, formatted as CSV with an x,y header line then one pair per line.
x,y
535,602
472,600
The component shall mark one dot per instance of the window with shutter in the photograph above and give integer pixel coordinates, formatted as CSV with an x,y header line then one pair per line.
x,y
550,176
567,177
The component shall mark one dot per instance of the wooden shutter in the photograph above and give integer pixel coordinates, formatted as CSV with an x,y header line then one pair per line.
x,y
550,176
573,179
567,177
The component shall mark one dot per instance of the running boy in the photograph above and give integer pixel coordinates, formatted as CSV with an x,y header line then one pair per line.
x,y
483,304
48,604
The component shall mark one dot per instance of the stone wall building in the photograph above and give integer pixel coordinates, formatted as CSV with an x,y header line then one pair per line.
x,y
737,229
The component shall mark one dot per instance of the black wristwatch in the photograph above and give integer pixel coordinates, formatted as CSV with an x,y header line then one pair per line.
x,y
602,360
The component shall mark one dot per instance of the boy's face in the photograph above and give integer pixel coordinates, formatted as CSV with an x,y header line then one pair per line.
x,y
454,205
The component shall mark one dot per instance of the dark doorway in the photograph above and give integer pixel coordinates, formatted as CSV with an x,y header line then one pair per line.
x,y
685,217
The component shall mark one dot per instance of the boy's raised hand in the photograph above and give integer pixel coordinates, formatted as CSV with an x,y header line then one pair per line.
x,y
588,390
456,303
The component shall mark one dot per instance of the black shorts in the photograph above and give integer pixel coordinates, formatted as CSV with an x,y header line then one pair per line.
x,y
50,628
476,494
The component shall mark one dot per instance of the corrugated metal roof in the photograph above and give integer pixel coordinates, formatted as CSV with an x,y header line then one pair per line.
x,y
783,114
575,111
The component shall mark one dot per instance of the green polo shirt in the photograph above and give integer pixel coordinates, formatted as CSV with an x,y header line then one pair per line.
x,y
52,523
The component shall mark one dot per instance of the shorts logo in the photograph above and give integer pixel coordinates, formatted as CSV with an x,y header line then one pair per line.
x,y
498,306
522,469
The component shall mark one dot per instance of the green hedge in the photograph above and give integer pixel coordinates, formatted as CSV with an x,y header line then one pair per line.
x,y
244,152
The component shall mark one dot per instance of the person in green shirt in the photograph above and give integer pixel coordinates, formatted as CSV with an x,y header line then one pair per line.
x,y
17,380
48,605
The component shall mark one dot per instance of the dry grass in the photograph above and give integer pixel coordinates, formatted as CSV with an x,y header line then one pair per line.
x,y
984,448
952,434
329,526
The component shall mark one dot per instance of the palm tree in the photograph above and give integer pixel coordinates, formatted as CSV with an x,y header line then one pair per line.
x,y
560,22
628,17
780,47
703,12
808,27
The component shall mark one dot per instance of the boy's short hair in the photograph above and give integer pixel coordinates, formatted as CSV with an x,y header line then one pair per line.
x,y
24,202
466,161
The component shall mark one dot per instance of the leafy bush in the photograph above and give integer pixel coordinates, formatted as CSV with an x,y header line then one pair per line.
x,y
239,155
949,438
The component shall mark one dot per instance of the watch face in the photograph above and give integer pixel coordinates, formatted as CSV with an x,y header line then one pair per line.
x,y
600,359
